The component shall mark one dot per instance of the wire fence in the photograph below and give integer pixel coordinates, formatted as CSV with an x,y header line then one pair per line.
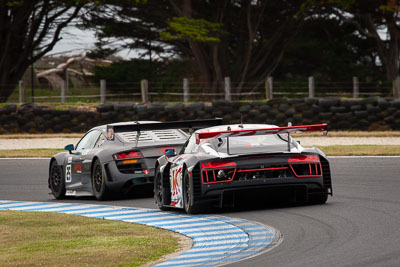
x,y
190,91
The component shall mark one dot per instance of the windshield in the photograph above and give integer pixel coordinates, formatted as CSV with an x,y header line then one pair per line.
x,y
252,144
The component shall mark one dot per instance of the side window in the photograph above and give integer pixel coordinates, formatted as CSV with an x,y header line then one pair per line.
x,y
88,141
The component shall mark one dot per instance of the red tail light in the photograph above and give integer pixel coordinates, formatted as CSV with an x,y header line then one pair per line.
x,y
128,155
218,164
218,171
301,158
305,165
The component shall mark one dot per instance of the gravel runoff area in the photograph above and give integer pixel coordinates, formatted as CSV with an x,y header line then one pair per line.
x,y
305,141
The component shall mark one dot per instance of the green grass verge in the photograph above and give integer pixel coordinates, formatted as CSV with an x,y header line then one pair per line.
x,y
361,150
353,150
52,239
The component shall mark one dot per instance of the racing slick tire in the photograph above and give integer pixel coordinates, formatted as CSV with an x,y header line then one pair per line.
x,y
57,181
317,199
99,187
159,190
188,195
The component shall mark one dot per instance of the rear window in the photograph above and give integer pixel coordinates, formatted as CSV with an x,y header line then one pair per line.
x,y
251,144
156,135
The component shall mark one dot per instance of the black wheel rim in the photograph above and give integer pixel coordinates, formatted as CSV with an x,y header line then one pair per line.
x,y
159,189
55,178
97,178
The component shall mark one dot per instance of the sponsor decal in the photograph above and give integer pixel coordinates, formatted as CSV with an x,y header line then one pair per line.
x,y
70,193
69,159
78,168
68,173
176,186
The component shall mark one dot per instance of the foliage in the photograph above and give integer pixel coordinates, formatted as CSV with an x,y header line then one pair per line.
x,y
127,74
199,30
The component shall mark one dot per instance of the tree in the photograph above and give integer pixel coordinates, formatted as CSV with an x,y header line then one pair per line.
x,y
28,30
243,39
377,20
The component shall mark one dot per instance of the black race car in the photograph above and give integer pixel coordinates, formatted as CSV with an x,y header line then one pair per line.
x,y
218,163
117,157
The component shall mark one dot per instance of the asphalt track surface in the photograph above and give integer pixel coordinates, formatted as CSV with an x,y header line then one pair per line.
x,y
359,226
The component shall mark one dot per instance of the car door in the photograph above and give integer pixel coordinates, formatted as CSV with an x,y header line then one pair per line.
x,y
176,173
77,161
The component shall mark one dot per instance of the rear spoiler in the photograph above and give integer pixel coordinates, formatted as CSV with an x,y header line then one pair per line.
x,y
137,127
248,132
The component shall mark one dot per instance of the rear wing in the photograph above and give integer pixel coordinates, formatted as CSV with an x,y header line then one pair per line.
x,y
249,132
137,127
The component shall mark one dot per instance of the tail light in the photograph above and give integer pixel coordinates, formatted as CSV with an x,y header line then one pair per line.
x,y
128,155
305,165
301,158
218,171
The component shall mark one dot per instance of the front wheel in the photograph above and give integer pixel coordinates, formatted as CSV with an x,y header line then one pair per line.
x,y
98,184
56,181
188,204
159,190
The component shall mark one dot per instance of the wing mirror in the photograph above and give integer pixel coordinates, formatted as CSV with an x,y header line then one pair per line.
x,y
170,152
69,147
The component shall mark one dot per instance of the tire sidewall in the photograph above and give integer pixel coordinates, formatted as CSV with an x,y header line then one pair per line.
x,y
60,193
187,196
100,195
157,189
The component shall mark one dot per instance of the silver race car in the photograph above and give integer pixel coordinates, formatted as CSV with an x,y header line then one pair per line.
x,y
116,158
219,163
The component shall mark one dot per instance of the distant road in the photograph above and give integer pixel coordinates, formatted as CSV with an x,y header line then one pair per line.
x,y
359,226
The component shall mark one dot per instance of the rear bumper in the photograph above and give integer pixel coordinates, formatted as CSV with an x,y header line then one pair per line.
x,y
300,187
125,182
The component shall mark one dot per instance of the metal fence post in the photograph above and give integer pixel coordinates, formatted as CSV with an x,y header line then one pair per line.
x,y
185,90
103,87
356,90
63,90
311,87
21,93
144,86
227,84
269,88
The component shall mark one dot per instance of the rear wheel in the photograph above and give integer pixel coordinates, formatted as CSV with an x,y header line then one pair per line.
x,y
188,205
98,183
318,199
56,181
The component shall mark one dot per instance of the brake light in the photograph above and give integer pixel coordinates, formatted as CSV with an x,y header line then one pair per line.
x,y
128,155
305,165
218,164
303,158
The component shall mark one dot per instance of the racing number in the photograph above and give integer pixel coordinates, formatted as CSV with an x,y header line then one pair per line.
x,y
68,173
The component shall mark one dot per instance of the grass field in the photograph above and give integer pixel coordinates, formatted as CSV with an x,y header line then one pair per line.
x,y
53,239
